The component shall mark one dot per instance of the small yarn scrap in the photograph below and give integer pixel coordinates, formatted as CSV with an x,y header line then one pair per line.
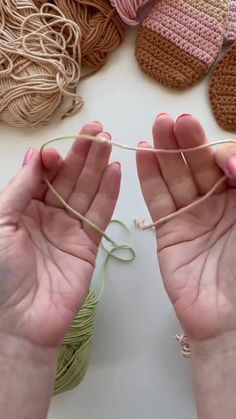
x,y
39,64
184,344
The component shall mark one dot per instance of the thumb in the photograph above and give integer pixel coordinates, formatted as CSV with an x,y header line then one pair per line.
x,y
226,159
18,194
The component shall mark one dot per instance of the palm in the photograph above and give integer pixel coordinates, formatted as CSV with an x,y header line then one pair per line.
x,y
53,259
195,250
49,256
196,254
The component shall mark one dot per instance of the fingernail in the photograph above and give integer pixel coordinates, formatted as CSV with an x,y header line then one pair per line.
x,y
28,156
97,122
105,134
162,114
142,143
117,163
183,115
231,168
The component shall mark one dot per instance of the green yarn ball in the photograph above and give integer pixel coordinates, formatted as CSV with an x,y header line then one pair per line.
x,y
74,353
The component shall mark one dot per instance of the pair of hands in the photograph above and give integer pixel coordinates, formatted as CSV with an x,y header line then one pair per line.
x,y
47,258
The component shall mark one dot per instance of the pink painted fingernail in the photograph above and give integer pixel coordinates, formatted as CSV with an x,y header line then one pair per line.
x,y
96,122
231,168
28,156
162,114
117,163
142,143
105,134
183,115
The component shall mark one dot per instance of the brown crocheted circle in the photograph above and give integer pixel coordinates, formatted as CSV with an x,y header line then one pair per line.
x,y
222,90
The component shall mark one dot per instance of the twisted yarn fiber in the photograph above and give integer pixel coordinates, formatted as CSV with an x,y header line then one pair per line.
x,y
39,63
101,27
132,11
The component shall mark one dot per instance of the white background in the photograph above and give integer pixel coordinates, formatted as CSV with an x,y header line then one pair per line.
x,y
136,370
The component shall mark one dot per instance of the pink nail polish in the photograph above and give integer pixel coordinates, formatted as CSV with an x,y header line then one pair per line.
x,y
183,115
231,168
162,114
117,163
105,134
28,156
96,122
142,143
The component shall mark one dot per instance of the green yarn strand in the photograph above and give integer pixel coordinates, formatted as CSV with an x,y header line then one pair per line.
x,y
75,352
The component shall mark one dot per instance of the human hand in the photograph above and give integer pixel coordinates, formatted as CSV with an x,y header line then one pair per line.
x,y
196,250
47,257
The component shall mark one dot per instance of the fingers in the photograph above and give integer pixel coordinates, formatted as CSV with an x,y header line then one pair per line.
x,y
226,159
51,159
67,177
155,192
52,162
102,207
18,194
202,165
91,175
175,172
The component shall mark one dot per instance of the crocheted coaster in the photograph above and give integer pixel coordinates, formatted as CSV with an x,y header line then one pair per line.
x,y
180,39
222,90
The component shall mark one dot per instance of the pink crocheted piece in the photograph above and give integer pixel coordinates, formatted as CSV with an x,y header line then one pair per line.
x,y
230,32
186,27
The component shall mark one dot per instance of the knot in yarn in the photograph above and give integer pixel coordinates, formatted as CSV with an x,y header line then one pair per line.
x,y
39,63
101,27
132,12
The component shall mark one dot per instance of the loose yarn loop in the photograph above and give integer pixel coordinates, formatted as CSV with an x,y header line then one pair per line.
x,y
39,63
74,353
101,27
132,12
184,344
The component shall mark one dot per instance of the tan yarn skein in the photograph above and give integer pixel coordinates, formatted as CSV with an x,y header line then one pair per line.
x,y
102,28
39,63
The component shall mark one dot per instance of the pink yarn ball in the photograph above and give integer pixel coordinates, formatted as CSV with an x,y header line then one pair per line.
x,y
132,12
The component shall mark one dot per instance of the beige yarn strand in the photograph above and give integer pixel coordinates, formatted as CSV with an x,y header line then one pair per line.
x,y
182,339
162,220
40,60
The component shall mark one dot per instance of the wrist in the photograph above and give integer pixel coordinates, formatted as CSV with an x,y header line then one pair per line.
x,y
214,376
18,349
213,348
27,377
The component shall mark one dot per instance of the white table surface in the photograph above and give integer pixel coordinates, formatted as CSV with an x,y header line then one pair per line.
x,y
136,370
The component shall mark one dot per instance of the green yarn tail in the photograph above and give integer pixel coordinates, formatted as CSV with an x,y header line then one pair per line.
x,y
74,354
